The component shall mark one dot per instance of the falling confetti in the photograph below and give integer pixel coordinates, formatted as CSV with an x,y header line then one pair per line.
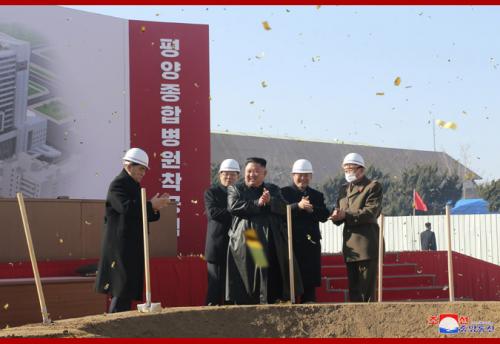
x,y
266,25
397,81
87,223
263,84
113,265
6,306
252,102
260,56
157,14
464,112
379,93
196,85
61,241
106,286
315,59
143,28
445,287
446,125
318,7
194,201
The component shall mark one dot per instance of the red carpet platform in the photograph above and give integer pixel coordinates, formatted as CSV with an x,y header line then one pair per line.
x,y
181,281
418,276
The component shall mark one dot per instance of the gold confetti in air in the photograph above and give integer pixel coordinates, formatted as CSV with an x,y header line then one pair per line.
x,y
260,56
6,306
113,265
318,7
143,28
397,81
379,93
446,125
310,239
194,201
87,223
196,85
263,84
61,240
266,25
106,286
256,248
315,59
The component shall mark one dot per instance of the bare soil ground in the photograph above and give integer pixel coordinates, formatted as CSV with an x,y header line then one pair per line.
x,y
311,320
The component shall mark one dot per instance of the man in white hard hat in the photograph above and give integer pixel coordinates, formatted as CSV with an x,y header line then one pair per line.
x,y
121,266
259,207
308,210
359,203
219,222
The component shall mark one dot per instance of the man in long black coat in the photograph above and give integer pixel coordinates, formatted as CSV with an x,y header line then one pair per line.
x,y
121,266
259,206
219,222
308,209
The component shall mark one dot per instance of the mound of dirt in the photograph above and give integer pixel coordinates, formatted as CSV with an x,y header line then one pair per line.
x,y
312,320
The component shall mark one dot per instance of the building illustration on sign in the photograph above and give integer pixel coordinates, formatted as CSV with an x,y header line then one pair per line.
x,y
28,164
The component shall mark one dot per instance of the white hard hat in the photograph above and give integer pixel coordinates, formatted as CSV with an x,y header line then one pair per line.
x,y
138,156
302,166
229,165
354,158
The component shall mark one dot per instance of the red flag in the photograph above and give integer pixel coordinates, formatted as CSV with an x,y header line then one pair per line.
x,y
418,203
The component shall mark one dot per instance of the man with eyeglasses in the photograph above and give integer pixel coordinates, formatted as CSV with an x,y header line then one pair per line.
x,y
358,206
219,222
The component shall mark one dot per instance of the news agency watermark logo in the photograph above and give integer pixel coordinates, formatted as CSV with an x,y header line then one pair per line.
x,y
450,323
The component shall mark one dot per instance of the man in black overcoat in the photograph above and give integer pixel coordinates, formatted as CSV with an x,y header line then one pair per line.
x,y
308,210
121,265
256,205
219,222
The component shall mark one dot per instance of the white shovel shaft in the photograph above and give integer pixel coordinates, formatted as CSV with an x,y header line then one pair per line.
x,y
146,244
290,252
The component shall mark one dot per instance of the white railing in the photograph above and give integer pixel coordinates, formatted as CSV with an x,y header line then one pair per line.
x,y
477,236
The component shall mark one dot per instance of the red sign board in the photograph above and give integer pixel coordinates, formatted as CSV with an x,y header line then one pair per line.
x,y
170,118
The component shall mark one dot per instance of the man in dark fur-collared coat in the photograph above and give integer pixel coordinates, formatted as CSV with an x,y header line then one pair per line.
x,y
259,206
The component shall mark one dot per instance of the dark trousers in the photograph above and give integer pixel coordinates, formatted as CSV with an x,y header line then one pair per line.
x,y
120,304
309,294
216,283
362,278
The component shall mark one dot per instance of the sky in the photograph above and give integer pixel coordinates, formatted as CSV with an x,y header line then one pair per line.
x,y
329,74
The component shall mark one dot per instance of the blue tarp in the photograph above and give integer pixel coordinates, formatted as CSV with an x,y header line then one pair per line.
x,y
471,206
